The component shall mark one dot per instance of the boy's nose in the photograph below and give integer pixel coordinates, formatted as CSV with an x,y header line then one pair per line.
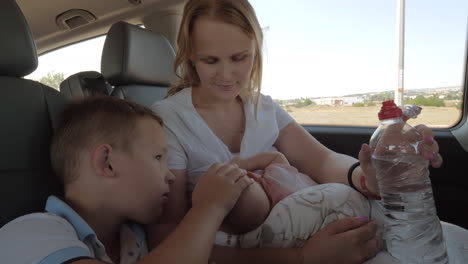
x,y
170,177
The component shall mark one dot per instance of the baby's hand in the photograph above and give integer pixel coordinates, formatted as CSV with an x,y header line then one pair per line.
x,y
220,187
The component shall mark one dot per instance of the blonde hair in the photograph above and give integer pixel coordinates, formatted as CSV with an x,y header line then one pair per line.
x,y
235,12
92,120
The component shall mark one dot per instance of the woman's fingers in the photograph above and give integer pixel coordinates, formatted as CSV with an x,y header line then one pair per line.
x,y
437,162
372,247
433,154
424,130
345,224
371,233
368,238
430,148
365,156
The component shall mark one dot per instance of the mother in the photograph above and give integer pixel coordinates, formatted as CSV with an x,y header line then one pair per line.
x,y
216,112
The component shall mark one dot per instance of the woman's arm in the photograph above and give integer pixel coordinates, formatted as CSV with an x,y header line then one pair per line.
x,y
174,211
311,157
324,165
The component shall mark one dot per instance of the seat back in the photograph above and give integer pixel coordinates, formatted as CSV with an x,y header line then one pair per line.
x,y
88,82
28,114
138,63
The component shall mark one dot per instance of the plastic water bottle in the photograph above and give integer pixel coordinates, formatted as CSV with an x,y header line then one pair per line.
x,y
413,232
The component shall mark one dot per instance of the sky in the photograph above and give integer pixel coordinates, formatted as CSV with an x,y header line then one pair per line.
x,y
317,48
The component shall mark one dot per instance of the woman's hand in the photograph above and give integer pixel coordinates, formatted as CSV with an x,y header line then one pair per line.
x,y
429,149
349,240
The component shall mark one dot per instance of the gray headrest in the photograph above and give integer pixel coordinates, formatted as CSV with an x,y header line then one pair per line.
x,y
78,84
18,56
134,55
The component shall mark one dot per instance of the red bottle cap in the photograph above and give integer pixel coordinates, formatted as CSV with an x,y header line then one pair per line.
x,y
389,110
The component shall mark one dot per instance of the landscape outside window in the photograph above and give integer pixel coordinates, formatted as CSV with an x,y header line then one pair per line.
x,y
59,64
333,62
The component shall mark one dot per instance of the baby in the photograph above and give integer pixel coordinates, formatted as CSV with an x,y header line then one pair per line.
x,y
285,207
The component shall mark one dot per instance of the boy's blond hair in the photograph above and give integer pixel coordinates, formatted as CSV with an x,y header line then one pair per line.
x,y
89,121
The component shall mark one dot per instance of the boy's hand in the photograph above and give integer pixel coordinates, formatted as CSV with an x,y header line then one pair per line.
x,y
238,161
220,187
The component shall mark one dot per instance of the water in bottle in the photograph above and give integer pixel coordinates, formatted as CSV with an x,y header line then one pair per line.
x,y
413,232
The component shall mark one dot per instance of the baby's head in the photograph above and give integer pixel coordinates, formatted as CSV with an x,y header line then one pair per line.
x,y
110,154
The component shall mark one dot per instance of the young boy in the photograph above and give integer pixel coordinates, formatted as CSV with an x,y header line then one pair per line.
x,y
110,155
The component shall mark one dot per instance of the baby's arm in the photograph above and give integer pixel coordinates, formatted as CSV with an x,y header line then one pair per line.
x,y
260,161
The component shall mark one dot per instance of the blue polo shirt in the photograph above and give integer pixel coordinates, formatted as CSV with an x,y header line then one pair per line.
x,y
60,235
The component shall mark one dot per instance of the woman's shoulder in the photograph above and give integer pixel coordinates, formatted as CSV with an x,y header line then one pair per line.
x,y
268,108
172,104
265,102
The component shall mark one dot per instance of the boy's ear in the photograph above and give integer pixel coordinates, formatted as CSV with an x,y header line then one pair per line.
x,y
102,162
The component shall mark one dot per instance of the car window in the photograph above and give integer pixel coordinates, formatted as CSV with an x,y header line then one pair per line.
x,y
334,62
57,65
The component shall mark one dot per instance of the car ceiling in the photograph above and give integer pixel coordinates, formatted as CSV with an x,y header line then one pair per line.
x,y
42,17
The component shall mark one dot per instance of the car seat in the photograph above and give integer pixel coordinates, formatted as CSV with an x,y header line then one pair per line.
x,y
138,63
28,114
85,83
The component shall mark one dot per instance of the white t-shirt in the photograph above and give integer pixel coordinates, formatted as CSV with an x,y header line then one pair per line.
x,y
194,147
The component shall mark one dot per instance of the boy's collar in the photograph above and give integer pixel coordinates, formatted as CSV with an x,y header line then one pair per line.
x,y
56,206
